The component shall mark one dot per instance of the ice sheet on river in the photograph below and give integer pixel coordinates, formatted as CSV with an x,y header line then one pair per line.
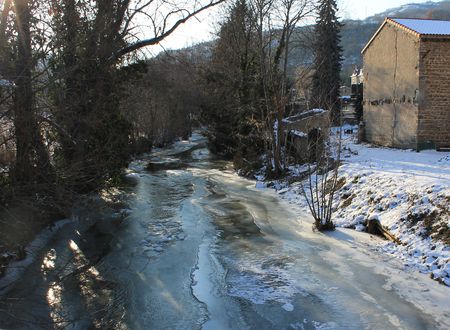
x,y
222,254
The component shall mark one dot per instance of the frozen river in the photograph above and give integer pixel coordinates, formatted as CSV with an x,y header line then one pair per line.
x,y
202,248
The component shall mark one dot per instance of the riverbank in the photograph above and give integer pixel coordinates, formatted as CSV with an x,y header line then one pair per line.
x,y
105,208
25,230
24,219
406,191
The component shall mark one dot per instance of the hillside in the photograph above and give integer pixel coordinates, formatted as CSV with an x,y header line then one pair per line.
x,y
434,10
355,35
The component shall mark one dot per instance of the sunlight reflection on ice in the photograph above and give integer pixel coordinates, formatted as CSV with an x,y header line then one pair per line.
x,y
49,261
54,299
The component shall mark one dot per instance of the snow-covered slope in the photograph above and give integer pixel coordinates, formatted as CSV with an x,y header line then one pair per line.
x,y
408,192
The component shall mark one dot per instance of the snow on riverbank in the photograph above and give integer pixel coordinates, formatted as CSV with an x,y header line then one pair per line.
x,y
408,192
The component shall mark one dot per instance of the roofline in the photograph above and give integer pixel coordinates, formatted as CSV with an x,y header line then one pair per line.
x,y
404,27
392,21
374,36
420,19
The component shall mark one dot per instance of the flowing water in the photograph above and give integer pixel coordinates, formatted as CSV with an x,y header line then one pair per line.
x,y
201,248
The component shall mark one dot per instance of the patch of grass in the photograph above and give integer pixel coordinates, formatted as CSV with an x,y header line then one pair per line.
x,y
426,218
442,233
438,225
339,184
434,223
347,202
374,200
412,198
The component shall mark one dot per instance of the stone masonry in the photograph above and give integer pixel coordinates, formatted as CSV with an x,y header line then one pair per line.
x,y
434,82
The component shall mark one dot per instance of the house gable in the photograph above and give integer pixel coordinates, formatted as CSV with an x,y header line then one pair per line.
x,y
391,75
420,28
387,21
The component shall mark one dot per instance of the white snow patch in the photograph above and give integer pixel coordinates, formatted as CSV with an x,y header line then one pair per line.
x,y
407,191
260,185
360,227
299,133
288,307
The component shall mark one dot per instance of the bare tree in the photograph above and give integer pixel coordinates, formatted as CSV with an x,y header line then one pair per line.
x,y
63,58
164,16
162,100
276,21
324,157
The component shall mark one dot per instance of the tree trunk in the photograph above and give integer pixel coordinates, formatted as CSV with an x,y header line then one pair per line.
x,y
31,156
69,114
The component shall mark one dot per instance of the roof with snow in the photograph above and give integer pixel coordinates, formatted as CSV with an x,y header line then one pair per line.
x,y
419,27
424,26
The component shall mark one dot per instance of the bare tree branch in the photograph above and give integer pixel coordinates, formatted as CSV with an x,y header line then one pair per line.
x,y
164,33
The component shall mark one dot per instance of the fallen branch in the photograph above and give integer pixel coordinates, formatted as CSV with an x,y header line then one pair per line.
x,y
374,227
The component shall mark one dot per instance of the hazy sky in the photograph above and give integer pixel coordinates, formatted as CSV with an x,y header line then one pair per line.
x,y
201,29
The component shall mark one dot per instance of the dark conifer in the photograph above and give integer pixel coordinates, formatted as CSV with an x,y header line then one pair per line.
x,y
232,79
328,52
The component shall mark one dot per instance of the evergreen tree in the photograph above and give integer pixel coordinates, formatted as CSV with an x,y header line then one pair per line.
x,y
232,81
327,65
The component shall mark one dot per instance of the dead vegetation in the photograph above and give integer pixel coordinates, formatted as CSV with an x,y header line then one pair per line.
x,y
348,199
427,220
340,183
433,222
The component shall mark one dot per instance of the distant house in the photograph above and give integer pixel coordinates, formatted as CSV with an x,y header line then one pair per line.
x,y
407,84
345,91
357,81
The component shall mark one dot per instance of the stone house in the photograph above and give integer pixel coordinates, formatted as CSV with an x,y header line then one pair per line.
x,y
345,91
407,84
357,81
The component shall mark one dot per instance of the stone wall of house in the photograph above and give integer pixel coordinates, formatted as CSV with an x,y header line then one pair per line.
x,y
434,108
391,75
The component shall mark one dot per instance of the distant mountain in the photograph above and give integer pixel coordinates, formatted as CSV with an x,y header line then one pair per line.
x,y
434,10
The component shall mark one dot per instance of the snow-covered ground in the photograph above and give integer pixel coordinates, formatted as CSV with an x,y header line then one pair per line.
x,y
407,191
